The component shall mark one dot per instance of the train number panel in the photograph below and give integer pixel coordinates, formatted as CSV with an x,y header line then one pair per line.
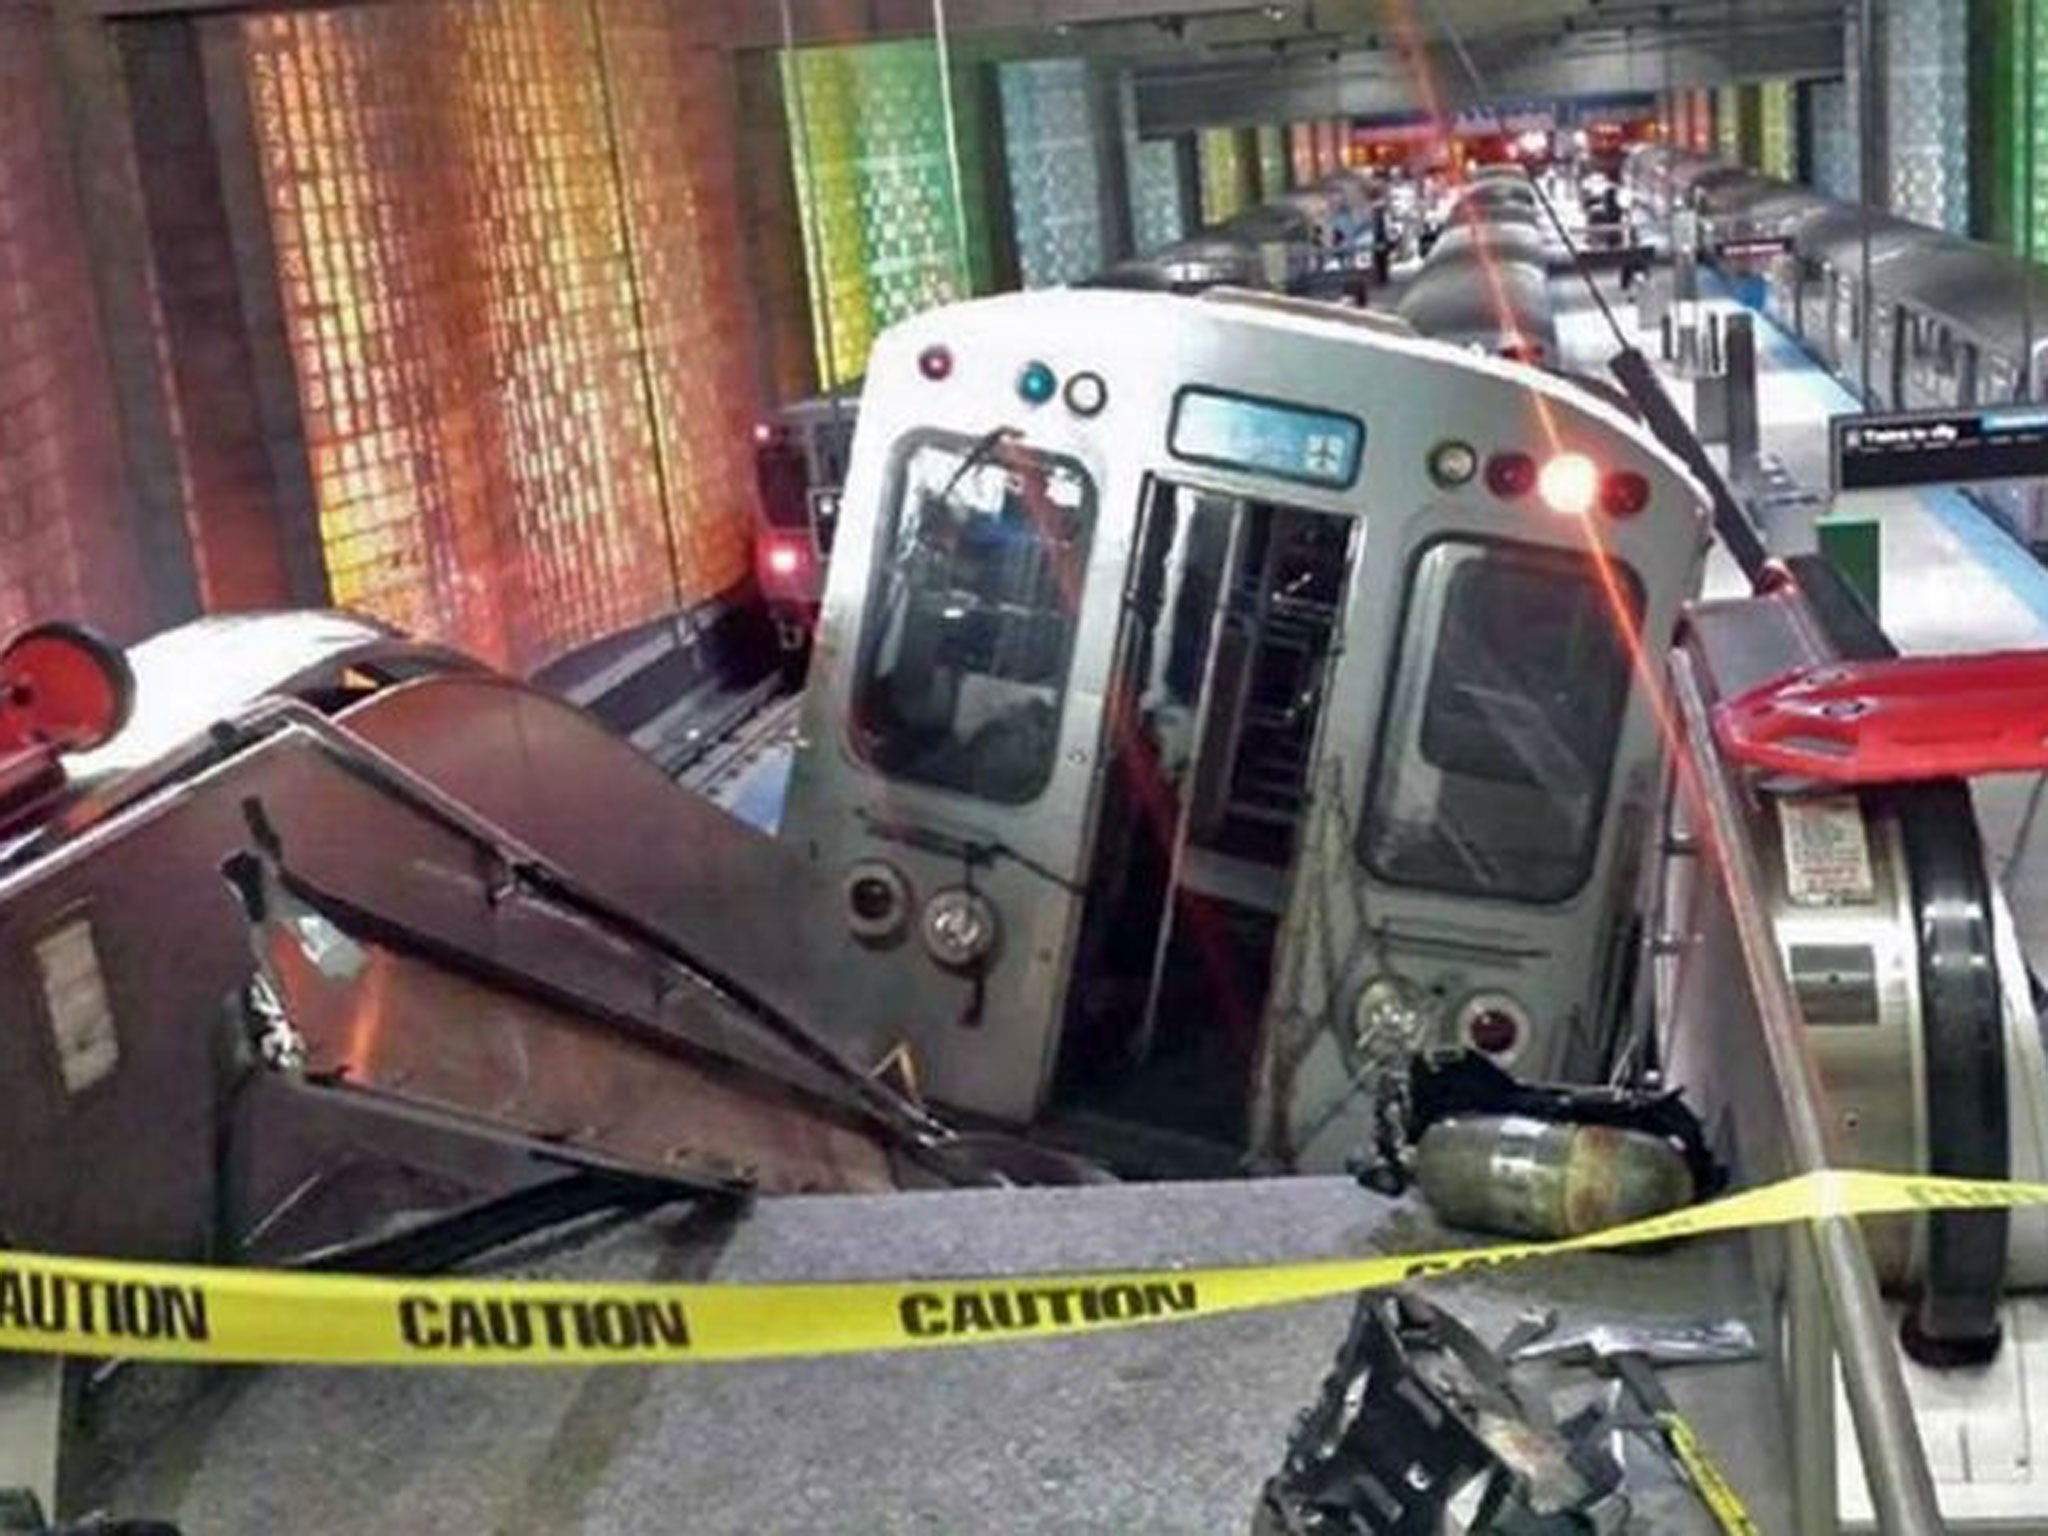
x,y
1214,700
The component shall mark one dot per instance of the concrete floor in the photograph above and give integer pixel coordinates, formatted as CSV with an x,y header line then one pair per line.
x,y
1161,1430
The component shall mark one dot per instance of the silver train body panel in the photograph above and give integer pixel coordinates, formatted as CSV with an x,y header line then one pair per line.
x,y
991,1042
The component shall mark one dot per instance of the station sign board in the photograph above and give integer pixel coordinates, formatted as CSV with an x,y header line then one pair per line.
x,y
1975,446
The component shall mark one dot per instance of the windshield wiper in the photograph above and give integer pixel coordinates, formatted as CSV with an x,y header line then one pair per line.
x,y
977,456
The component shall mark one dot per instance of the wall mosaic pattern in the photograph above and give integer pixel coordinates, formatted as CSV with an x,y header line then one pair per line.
x,y
1053,151
509,274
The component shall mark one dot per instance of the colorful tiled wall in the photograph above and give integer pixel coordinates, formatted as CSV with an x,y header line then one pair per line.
x,y
1301,152
1227,171
1331,146
1728,122
2024,144
509,271
1852,97
883,230
1775,147
1159,197
1272,148
1926,61
1700,121
1053,150
1831,150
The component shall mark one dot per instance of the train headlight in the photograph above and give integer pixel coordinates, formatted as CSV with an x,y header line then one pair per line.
x,y
959,929
784,558
877,902
1570,482
1453,463
1388,1022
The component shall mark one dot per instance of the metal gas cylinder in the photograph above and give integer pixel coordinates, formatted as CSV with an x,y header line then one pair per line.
x,y
1540,1178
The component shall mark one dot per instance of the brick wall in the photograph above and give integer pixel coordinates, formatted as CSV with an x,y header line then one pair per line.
x,y
66,549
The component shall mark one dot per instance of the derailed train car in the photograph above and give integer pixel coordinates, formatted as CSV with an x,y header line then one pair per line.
x,y
1371,654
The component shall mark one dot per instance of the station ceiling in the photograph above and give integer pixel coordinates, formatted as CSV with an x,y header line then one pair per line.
x,y
1215,61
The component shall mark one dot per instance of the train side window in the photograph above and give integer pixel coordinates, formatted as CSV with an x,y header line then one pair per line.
x,y
1501,726
972,611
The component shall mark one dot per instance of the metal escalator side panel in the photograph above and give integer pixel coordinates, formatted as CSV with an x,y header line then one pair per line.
x,y
125,1158
552,777
471,1040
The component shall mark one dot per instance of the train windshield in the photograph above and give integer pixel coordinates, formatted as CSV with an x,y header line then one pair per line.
x,y
1501,731
970,635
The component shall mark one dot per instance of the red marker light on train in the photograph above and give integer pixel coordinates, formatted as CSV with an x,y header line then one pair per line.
x,y
1509,475
1624,493
1494,1031
1570,482
764,432
935,363
1493,1022
784,558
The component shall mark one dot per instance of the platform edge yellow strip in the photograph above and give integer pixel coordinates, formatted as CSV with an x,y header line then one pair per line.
x,y
101,1307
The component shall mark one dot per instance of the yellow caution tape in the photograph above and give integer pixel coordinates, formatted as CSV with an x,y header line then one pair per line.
x,y
1715,1491
56,1305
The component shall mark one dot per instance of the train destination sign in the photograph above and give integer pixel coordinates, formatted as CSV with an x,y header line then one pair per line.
x,y
1213,426
1753,247
1969,447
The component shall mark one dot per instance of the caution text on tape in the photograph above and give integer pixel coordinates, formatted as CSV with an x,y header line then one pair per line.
x,y
57,1305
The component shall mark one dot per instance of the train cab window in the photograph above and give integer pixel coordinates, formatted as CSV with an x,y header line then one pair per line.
x,y
973,607
1500,732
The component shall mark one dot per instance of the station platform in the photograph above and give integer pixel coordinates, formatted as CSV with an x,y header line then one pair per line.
x,y
1951,579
